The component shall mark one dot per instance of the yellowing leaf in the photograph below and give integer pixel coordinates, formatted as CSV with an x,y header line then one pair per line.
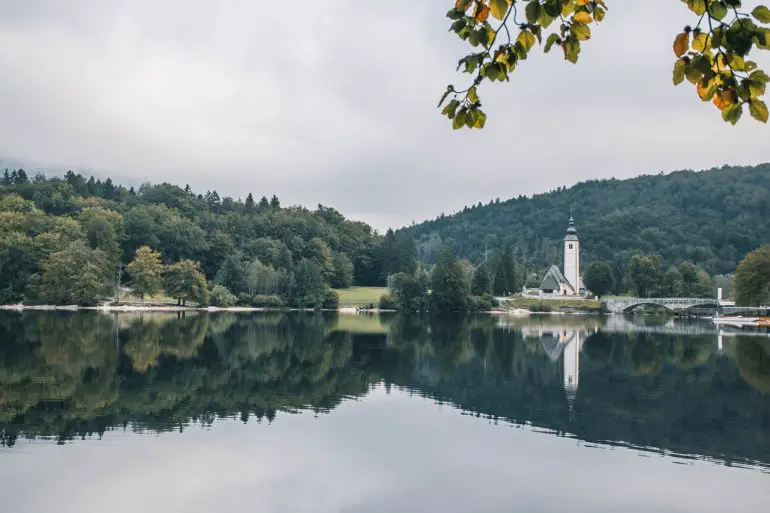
x,y
724,98
482,13
681,44
758,110
583,17
700,42
527,39
679,68
498,8
697,6
473,95
462,4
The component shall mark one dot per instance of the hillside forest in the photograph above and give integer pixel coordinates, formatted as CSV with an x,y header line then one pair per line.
x,y
709,219
70,239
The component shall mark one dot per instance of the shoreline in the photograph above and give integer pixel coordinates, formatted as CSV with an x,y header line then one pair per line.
x,y
173,308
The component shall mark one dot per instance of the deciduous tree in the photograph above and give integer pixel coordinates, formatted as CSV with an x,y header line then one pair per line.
x,y
752,278
449,289
599,278
644,273
146,272
713,54
184,281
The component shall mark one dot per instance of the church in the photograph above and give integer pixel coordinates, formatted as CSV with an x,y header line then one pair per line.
x,y
569,282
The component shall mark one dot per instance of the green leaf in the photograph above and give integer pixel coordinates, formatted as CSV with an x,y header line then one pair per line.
x,y
451,108
733,113
498,8
459,119
759,76
545,19
758,110
718,10
679,68
550,42
571,50
533,12
458,25
761,13
581,31
692,74
455,14
470,118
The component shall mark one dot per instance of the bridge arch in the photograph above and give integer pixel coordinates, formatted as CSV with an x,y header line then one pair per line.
x,y
674,305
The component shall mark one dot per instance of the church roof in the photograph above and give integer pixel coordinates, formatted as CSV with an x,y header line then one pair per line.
x,y
554,279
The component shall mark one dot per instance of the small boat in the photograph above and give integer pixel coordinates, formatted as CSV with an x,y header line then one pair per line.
x,y
740,321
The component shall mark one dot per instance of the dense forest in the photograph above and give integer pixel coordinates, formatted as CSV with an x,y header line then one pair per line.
x,y
709,218
66,375
67,239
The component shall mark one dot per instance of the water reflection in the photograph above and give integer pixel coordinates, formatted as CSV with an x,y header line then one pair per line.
x,y
672,386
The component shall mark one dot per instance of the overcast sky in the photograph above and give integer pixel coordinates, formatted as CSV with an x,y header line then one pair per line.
x,y
335,102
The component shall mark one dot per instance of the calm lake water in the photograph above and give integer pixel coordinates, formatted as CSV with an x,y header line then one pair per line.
x,y
311,413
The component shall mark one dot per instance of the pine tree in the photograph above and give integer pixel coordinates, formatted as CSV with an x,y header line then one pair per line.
x,y
482,283
250,206
7,177
21,177
449,285
274,203
264,203
500,280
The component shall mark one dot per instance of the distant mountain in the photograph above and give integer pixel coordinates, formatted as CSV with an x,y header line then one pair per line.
x,y
711,217
33,168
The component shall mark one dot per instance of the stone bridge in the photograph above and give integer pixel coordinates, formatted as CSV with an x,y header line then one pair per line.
x,y
674,304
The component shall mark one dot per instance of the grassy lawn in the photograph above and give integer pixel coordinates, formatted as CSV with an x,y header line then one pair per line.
x,y
360,296
359,323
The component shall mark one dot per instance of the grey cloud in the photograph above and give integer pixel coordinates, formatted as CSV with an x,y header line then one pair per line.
x,y
334,102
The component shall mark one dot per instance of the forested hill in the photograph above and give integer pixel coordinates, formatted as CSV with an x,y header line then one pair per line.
x,y
63,236
712,218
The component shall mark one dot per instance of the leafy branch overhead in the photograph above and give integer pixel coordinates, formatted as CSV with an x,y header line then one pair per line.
x,y
712,55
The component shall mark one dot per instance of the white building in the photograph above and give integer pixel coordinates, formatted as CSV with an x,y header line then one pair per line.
x,y
569,282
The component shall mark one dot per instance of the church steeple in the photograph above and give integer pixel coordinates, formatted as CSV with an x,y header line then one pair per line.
x,y
572,255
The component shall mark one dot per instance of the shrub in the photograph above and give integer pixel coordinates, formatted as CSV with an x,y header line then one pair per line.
x,y
331,300
222,297
483,303
244,299
540,307
261,301
387,302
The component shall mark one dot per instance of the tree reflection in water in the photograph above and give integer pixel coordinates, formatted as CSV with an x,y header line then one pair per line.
x,y
69,375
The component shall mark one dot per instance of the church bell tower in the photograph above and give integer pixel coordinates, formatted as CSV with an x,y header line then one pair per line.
x,y
572,256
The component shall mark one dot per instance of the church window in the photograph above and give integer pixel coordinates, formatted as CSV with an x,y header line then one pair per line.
x,y
570,246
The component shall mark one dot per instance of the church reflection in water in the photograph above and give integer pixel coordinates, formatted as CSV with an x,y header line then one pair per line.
x,y
562,343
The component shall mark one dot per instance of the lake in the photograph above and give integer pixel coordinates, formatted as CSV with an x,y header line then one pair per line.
x,y
321,413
